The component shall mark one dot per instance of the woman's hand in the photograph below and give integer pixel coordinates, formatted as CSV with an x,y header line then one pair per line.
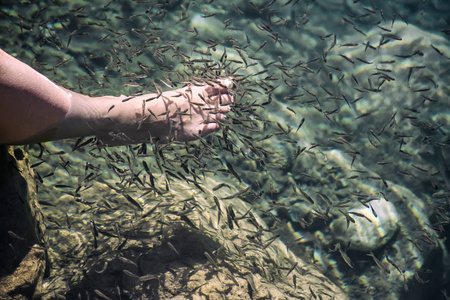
x,y
181,115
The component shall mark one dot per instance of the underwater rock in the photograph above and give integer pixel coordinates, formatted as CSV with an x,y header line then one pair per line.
x,y
197,253
372,228
174,245
22,261
399,237
26,281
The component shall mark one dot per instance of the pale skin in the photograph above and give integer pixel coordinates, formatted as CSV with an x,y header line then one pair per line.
x,y
34,109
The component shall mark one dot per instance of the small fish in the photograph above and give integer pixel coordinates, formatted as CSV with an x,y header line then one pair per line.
x,y
188,221
381,265
209,16
211,259
130,274
94,228
300,124
219,186
359,30
49,174
364,61
360,215
270,241
292,269
101,295
420,280
344,255
37,164
392,36
261,46
312,292
347,58
348,218
437,50
310,200
251,284
171,246
147,278
39,178
14,235
232,171
230,216
79,143
219,210
391,262
127,261
132,201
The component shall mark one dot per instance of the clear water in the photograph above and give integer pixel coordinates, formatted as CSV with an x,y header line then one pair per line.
x,y
369,78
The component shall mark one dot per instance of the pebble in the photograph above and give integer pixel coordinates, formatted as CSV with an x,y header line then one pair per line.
x,y
370,232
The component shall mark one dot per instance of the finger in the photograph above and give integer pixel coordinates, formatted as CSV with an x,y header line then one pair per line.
x,y
227,82
216,117
222,99
209,128
215,90
224,109
222,87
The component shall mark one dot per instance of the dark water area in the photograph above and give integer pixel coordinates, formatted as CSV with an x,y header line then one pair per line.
x,y
338,139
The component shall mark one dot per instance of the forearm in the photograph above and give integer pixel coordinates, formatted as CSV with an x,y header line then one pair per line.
x,y
103,117
29,102
34,109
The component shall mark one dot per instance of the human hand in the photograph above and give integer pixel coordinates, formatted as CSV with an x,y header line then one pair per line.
x,y
182,115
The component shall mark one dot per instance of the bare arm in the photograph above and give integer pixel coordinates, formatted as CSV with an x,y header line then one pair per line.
x,y
34,109
29,102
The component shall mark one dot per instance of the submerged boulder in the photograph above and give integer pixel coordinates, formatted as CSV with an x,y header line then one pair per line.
x,y
22,257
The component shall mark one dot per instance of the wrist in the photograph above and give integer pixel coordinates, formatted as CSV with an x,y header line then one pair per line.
x,y
125,120
83,113
80,110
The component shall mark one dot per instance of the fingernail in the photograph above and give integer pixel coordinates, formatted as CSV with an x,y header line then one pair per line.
x,y
228,83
